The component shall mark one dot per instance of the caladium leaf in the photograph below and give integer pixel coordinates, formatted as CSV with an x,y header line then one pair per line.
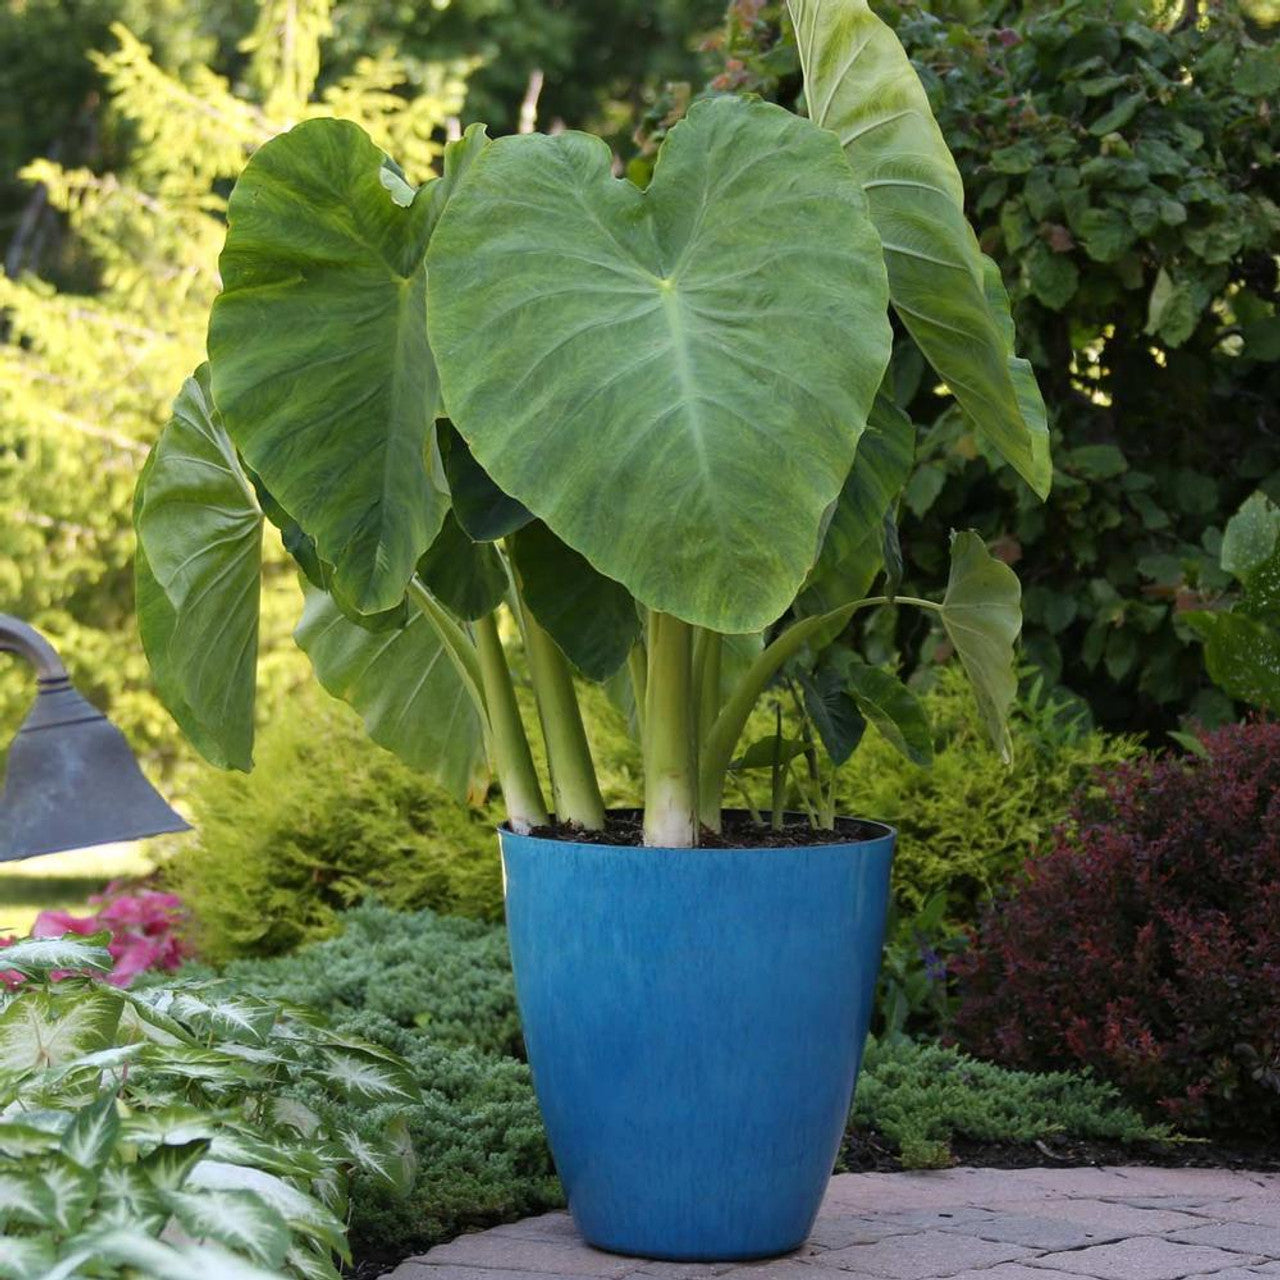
x,y
405,688
860,84
1251,535
853,550
167,1167
592,618
467,577
25,1199
483,510
311,1264
18,1140
24,1257
91,1136
1242,655
709,346
38,957
43,1028
70,1190
982,614
302,1212
240,1220
319,349
200,542
160,1261
362,1077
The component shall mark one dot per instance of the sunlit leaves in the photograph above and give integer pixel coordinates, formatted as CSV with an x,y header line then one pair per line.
x,y
860,84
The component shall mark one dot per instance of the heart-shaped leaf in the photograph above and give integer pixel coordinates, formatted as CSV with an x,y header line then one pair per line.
x,y
592,618
198,574
405,687
1242,655
982,614
684,371
240,1220
889,705
91,1136
319,348
860,84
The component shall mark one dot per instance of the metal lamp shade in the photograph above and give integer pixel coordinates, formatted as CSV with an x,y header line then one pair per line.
x,y
72,781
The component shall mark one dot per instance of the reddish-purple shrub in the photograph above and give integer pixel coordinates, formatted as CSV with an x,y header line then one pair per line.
x,y
147,930
1146,942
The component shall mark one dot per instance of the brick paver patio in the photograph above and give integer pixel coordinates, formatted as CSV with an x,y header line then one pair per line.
x,y
965,1224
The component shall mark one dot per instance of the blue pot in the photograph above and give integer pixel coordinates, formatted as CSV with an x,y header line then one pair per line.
x,y
695,1020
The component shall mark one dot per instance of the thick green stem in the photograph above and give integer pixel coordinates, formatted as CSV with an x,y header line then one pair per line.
x,y
458,644
512,759
707,651
573,774
638,668
670,739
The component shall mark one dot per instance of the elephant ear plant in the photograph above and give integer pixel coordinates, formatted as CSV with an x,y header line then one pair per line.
x,y
648,425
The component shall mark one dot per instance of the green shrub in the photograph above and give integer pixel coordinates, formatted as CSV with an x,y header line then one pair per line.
x,y
326,820
969,822
921,1096
442,975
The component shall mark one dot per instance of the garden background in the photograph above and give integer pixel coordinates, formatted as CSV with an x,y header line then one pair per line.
x,y
1121,167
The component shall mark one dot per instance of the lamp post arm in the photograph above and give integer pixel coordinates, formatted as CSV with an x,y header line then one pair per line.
x,y
17,637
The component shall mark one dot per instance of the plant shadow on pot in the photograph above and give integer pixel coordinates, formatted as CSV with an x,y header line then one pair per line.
x,y
695,1020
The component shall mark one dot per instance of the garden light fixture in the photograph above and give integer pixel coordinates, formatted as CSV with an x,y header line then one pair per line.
x,y
71,780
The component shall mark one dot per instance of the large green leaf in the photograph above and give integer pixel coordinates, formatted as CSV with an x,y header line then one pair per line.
x,y
41,956
853,548
483,510
982,614
860,84
673,379
200,543
1251,535
591,617
319,348
405,687
467,577
889,705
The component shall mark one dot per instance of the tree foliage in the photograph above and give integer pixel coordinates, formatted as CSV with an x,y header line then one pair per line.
x,y
86,378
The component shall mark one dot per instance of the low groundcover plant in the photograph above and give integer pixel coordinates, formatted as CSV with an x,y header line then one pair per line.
x,y
651,425
162,1132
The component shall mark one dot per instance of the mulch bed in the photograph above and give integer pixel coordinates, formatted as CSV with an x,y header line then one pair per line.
x,y
868,1152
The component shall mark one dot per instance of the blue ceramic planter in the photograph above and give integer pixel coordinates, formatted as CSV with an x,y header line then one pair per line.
x,y
695,1021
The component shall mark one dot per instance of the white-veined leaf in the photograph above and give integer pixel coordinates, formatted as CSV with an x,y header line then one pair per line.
x,y
22,1257
44,1028
71,1190
37,956
91,1136
240,1220
362,1078
25,1199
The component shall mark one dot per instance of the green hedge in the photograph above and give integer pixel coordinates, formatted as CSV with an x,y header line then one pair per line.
x,y
325,820
969,823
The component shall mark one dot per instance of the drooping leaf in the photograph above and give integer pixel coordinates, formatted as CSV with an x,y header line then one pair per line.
x,y
591,617
889,705
404,686
853,549
483,510
709,346
240,1220
835,714
318,342
41,956
982,614
467,577
160,1261
200,538
91,1136
860,84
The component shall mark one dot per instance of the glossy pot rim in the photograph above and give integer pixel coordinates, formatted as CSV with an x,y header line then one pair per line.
x,y
856,829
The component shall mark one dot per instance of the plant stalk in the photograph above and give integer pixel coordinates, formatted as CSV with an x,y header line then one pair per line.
x,y
509,744
707,651
574,788
670,739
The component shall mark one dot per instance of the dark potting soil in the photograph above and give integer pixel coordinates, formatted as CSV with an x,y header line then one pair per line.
x,y
866,1151
738,831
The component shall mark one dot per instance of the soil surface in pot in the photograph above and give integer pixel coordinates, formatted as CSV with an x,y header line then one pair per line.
x,y
626,829
868,1152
